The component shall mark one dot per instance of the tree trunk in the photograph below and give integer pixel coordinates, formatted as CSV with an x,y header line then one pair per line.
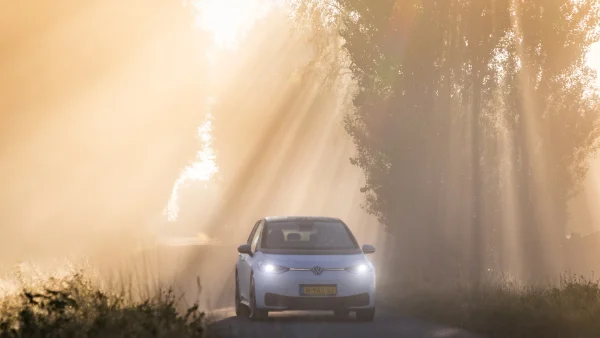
x,y
476,203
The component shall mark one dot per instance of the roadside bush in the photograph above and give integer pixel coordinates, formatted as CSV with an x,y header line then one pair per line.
x,y
74,307
508,309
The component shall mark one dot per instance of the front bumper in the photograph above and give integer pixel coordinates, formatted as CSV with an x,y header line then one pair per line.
x,y
282,291
272,300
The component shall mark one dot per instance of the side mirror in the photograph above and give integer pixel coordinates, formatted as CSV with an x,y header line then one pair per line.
x,y
245,249
368,249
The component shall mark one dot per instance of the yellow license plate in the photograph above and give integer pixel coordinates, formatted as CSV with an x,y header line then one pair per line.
x,y
318,290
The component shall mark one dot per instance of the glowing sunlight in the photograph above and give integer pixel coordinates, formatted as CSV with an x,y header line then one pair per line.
x,y
229,20
593,60
143,145
202,169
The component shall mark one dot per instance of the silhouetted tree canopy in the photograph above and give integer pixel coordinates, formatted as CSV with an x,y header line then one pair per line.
x,y
473,121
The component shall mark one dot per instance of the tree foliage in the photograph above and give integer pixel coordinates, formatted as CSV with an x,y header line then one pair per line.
x,y
473,122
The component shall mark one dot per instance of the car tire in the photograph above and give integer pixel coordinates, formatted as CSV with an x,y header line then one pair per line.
x,y
367,315
341,313
240,309
255,313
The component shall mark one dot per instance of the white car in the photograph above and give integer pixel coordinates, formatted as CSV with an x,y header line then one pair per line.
x,y
304,263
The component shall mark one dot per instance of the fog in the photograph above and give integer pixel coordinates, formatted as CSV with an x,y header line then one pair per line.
x,y
101,104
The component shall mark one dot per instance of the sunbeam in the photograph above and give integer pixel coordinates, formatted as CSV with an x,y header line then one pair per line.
x,y
142,140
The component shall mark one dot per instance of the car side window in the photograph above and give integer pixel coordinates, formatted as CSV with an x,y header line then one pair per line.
x,y
257,234
251,237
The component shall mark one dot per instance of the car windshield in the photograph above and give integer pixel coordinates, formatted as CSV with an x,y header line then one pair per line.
x,y
307,235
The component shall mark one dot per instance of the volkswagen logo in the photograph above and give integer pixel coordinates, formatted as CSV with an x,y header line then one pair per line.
x,y
317,270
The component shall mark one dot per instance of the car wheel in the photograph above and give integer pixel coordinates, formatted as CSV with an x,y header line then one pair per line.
x,y
341,313
255,313
365,315
240,309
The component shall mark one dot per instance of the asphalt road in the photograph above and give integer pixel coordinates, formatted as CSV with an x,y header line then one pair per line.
x,y
323,324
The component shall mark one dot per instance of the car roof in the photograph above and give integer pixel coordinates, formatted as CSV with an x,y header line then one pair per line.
x,y
301,218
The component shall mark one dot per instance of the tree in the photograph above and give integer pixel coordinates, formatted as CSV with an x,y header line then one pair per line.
x,y
459,122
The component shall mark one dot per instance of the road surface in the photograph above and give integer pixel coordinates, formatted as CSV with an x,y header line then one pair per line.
x,y
215,267
324,325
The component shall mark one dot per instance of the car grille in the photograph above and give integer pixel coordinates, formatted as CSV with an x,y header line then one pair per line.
x,y
316,303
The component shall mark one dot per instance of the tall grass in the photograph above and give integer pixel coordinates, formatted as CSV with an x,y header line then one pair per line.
x,y
73,306
508,309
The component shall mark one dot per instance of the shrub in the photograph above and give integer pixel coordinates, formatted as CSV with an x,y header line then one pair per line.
x,y
74,307
507,309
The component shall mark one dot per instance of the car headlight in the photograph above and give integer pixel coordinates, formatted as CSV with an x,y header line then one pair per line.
x,y
271,268
359,269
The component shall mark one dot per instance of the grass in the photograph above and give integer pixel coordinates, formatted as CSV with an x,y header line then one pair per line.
x,y
505,308
73,306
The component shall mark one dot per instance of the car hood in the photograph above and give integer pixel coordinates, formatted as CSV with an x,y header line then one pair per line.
x,y
308,261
